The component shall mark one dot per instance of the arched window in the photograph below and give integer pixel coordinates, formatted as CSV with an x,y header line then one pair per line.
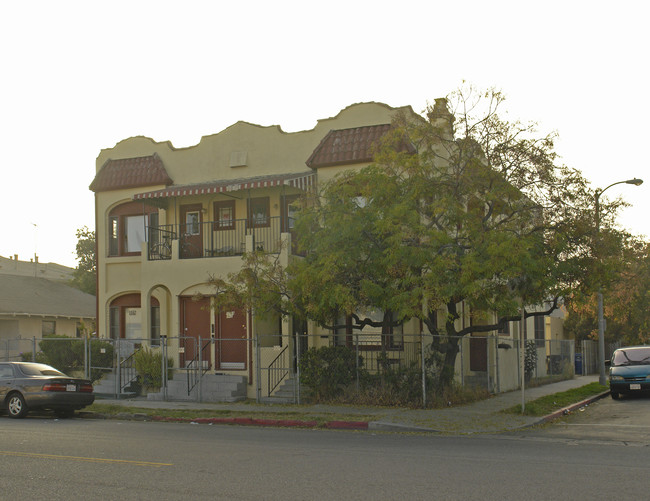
x,y
127,228
125,318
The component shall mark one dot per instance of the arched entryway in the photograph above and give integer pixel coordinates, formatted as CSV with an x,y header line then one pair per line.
x,y
216,338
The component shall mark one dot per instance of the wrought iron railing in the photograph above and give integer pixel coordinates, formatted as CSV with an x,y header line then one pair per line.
x,y
197,367
278,370
160,241
128,372
214,238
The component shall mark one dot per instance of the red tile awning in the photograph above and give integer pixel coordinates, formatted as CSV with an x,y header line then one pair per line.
x,y
302,181
131,173
351,146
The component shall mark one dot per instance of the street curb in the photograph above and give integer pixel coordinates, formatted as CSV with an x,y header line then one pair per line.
x,y
569,409
397,427
241,421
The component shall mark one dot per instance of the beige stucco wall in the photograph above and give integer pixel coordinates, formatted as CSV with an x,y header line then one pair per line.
x,y
269,149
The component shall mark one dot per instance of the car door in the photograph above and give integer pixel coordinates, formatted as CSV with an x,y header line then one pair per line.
x,y
6,379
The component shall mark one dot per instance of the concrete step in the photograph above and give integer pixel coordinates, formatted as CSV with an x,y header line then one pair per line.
x,y
285,393
213,387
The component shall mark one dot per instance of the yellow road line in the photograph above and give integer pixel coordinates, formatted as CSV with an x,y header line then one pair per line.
x,y
88,459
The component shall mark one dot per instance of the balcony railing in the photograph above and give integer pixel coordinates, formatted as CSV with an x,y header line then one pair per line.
x,y
214,238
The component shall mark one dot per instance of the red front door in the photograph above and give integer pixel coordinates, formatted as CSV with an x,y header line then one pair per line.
x,y
191,231
231,343
195,325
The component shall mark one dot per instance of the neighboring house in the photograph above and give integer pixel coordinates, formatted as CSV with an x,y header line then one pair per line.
x,y
34,268
33,307
169,218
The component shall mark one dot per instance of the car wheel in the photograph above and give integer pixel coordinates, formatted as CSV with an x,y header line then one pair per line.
x,y
615,395
16,407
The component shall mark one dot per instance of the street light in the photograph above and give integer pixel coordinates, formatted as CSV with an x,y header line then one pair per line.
x,y
601,321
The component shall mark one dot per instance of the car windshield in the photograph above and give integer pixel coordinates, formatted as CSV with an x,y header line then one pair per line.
x,y
632,356
39,370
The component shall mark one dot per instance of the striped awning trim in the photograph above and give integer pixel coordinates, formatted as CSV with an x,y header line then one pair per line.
x,y
303,181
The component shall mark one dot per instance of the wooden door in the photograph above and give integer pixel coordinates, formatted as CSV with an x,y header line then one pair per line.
x,y
232,338
195,324
191,231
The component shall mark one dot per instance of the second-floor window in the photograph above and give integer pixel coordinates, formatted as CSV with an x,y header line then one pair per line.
x,y
127,225
224,215
259,209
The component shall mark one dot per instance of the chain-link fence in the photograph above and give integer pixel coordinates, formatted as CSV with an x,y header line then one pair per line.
x,y
587,359
268,367
492,363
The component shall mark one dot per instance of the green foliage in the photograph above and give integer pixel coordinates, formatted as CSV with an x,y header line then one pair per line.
x,y
459,207
551,403
67,354
148,365
399,385
327,370
84,276
626,298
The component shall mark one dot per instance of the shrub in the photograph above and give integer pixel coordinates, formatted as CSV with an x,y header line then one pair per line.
x,y
67,354
327,370
148,365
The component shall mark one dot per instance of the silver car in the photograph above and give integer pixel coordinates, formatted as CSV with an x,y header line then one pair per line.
x,y
26,386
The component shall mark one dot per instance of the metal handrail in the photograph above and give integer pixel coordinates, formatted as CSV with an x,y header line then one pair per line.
x,y
195,368
127,371
277,374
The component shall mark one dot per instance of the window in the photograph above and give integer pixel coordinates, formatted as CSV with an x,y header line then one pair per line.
x,y
192,223
539,330
373,338
289,211
125,318
127,228
259,212
505,329
114,322
134,233
133,323
48,328
155,325
113,236
224,215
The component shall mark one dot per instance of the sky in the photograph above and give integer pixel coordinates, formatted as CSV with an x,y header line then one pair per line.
x,y
80,76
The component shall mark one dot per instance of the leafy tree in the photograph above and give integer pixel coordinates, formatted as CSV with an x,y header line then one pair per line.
x,y
627,300
477,212
84,276
460,207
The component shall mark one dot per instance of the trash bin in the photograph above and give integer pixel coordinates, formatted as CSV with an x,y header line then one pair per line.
x,y
578,363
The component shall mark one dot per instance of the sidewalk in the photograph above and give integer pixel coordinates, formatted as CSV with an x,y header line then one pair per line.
x,y
480,417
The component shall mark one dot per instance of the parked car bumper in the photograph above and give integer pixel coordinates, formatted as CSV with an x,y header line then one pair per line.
x,y
58,400
629,386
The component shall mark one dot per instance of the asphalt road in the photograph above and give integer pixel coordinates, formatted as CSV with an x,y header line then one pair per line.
x,y
621,422
45,458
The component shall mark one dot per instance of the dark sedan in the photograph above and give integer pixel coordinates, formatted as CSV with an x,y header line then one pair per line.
x,y
27,386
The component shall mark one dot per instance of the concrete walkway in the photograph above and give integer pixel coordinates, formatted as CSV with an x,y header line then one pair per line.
x,y
485,416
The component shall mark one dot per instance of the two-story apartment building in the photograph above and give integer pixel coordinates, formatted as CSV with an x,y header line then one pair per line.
x,y
167,219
